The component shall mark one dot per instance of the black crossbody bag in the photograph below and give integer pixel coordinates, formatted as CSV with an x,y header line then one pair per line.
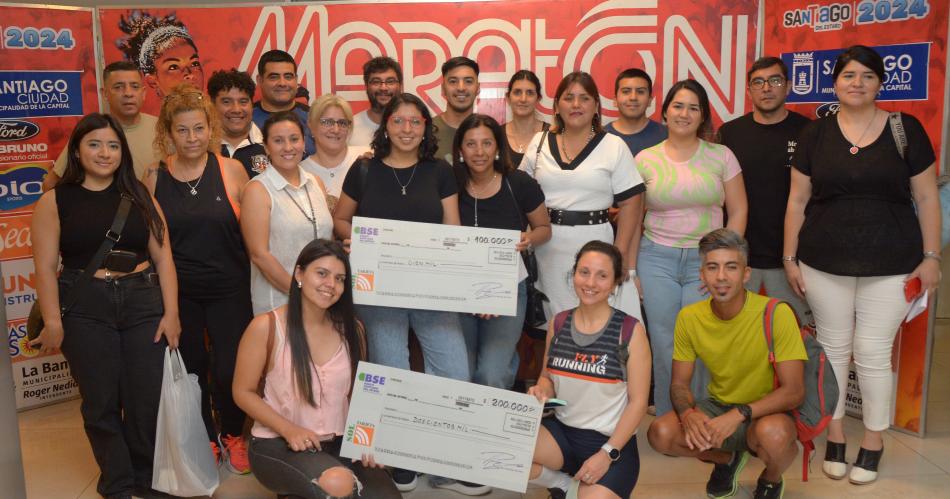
x,y
35,324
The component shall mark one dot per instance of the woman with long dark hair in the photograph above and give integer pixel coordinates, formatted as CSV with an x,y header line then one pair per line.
x,y
307,352
524,92
493,194
115,332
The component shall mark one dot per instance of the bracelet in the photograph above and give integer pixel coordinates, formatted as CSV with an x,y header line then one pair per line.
x,y
933,254
789,258
632,273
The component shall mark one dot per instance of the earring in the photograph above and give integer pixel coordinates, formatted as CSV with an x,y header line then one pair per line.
x,y
299,284
386,135
461,159
497,156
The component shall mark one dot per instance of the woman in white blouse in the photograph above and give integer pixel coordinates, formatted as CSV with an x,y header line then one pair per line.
x,y
331,123
283,209
582,171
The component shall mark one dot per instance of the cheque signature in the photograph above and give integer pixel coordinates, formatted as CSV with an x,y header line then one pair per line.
x,y
488,289
500,461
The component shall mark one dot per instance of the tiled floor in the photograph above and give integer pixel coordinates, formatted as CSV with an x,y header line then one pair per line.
x,y
59,463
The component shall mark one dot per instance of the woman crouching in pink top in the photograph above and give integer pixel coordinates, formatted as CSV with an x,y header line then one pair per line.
x,y
306,352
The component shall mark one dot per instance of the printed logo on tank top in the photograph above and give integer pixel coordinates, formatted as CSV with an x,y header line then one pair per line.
x,y
596,362
582,363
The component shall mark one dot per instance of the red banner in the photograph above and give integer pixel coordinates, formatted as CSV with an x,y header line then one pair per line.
x,y
911,35
671,40
47,82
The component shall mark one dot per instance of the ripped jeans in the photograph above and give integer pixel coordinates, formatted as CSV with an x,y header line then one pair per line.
x,y
286,472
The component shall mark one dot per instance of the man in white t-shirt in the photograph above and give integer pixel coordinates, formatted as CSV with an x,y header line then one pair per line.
x,y
124,92
383,79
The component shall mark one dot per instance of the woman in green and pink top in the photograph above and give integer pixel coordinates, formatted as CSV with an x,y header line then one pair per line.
x,y
688,181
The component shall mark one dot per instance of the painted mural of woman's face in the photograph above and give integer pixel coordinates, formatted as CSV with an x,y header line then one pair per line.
x,y
179,63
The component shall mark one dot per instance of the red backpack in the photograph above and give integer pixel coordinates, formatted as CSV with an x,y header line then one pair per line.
x,y
821,386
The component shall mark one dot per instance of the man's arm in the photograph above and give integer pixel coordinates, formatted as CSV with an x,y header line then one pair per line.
x,y
692,419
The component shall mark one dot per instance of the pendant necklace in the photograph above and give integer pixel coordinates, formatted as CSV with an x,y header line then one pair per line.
x,y
403,187
564,145
312,218
854,145
478,193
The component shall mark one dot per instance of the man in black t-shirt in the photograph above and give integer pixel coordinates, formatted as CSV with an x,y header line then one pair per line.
x,y
764,142
277,79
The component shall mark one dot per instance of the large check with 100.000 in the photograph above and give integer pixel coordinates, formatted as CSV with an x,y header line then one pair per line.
x,y
442,426
434,267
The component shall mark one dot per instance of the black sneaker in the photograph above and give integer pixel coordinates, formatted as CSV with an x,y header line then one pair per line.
x,y
556,493
405,480
768,490
724,480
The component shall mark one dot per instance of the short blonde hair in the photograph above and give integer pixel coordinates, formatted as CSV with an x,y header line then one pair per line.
x,y
320,106
185,97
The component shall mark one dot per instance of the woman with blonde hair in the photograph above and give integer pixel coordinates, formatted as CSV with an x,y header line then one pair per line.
x,y
331,123
199,192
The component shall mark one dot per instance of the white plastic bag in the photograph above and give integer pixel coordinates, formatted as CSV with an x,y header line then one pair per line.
x,y
184,465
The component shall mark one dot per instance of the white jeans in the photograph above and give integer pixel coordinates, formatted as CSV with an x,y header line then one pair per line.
x,y
859,316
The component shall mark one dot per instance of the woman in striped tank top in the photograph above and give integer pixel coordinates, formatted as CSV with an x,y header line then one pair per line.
x,y
605,385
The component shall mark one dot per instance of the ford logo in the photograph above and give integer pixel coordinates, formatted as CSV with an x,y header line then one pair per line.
x,y
826,109
12,130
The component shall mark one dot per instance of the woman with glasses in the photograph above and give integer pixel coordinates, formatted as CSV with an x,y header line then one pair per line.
x,y
285,208
405,182
331,123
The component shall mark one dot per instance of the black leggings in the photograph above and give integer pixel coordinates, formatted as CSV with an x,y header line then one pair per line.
x,y
286,472
224,318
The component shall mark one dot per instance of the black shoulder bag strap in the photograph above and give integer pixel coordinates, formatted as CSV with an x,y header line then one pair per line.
x,y
112,236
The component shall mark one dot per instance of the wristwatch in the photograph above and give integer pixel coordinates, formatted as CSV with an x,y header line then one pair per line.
x,y
612,453
745,410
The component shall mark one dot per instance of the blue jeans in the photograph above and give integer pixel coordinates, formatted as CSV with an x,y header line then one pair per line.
x,y
670,281
491,344
439,333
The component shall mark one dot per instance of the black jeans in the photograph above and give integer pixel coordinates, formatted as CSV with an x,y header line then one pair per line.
x,y
109,344
224,318
286,472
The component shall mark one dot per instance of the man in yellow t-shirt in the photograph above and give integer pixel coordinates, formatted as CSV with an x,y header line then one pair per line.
x,y
745,412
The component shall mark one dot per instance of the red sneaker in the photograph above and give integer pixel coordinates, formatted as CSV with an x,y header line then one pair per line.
x,y
235,454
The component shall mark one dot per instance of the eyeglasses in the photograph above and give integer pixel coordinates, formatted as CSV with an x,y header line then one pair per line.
x,y
329,122
413,122
774,82
389,82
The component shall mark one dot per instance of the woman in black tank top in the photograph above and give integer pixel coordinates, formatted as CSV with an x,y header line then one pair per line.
x,y
118,324
200,193
598,361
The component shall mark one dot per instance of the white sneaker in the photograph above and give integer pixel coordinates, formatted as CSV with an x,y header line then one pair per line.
x,y
464,488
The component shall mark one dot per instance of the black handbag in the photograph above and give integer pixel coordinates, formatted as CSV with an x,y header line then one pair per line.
x,y
534,306
34,323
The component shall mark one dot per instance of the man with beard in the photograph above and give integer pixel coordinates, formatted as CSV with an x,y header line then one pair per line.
x,y
633,89
383,79
124,91
460,89
764,142
231,93
746,410
277,77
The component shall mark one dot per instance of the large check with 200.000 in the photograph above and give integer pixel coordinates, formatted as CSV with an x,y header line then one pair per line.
x,y
434,266
442,426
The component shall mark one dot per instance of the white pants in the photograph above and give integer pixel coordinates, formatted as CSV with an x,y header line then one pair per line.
x,y
859,316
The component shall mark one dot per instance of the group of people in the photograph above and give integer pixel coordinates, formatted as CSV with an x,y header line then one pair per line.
x,y
237,242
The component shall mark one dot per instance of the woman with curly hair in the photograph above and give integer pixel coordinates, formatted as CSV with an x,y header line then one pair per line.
x,y
163,50
200,194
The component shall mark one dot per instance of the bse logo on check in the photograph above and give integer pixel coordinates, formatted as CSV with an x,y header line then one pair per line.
x,y
361,434
371,382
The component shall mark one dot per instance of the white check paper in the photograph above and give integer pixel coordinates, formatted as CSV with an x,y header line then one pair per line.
x,y
434,267
442,426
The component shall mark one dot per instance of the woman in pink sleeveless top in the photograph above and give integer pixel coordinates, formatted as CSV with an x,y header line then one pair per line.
x,y
306,352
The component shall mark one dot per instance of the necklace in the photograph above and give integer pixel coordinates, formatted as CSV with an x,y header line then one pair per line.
x,y
193,189
854,145
519,146
478,194
312,218
564,145
403,187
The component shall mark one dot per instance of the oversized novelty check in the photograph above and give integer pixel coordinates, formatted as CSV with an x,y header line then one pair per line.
x,y
434,266
442,426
